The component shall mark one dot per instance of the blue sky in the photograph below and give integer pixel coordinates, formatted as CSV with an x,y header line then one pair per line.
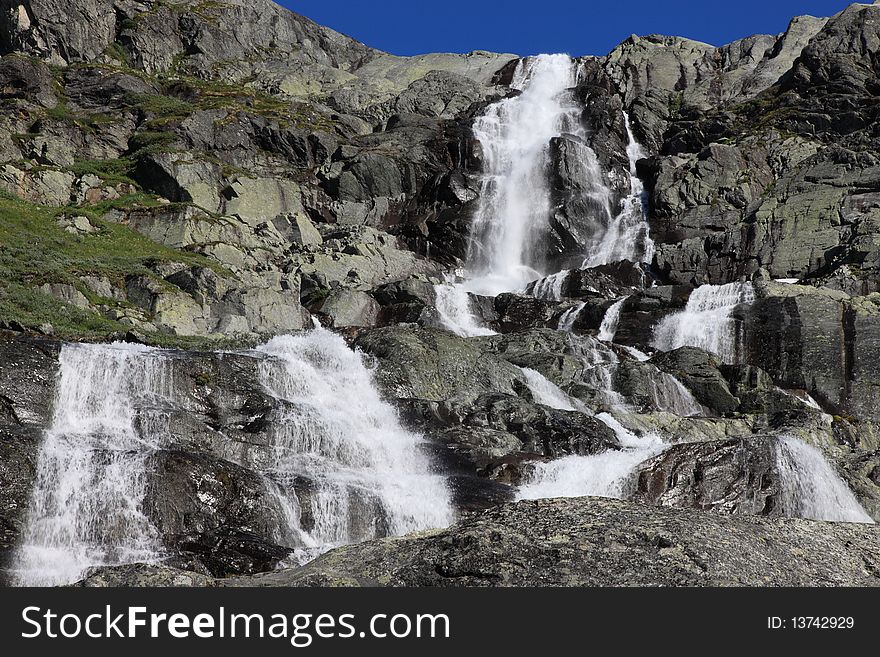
x,y
588,27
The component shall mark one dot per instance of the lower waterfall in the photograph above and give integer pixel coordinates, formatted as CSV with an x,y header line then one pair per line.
x,y
810,486
91,475
367,474
601,475
706,321
338,450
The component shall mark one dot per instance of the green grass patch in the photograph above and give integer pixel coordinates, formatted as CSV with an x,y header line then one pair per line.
x,y
164,107
34,250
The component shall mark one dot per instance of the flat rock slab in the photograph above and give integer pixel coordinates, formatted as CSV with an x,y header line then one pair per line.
x,y
602,542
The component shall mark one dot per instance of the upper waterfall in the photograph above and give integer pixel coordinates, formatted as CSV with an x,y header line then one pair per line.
x,y
514,208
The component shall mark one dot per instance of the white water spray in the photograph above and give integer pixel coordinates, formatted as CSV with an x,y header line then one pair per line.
x,y
514,209
706,321
453,303
86,509
810,486
368,475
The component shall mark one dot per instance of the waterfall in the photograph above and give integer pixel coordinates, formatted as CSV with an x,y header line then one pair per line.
x,y
367,475
550,287
706,321
92,467
453,303
810,488
338,451
626,236
514,208
569,317
608,328
601,475
549,394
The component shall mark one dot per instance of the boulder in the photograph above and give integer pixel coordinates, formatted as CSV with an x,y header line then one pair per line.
x,y
700,372
602,542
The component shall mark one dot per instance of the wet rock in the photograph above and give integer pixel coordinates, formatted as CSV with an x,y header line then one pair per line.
x,y
700,372
737,477
434,365
222,513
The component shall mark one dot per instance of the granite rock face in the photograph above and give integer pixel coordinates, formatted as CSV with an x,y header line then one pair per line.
x,y
596,542
205,175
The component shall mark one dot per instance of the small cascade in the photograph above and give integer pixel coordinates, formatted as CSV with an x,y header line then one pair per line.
x,y
668,394
602,475
514,208
600,363
549,394
608,328
626,236
91,480
810,488
366,475
706,321
570,316
550,287
638,354
454,308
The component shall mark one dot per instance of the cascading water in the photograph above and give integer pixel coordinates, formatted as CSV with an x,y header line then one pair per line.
x,y
92,467
514,209
626,236
601,475
453,303
570,316
339,453
608,328
367,475
706,321
810,488
550,287
549,394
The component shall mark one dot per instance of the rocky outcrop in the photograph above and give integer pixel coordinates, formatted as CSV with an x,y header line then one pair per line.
x,y
598,542
27,382
187,173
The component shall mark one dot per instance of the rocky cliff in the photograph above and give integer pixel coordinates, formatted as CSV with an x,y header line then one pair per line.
x,y
203,175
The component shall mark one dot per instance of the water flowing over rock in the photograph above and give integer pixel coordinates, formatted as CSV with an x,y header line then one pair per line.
x,y
608,328
653,275
626,235
603,475
87,507
707,321
512,219
811,488
331,474
366,474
